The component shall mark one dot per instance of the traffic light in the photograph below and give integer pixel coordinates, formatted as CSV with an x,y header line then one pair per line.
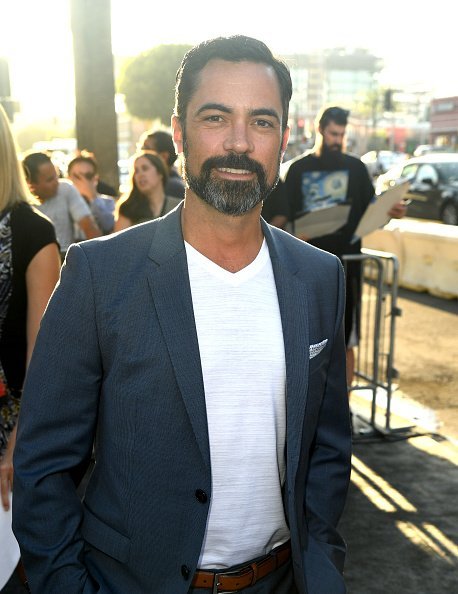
x,y
388,100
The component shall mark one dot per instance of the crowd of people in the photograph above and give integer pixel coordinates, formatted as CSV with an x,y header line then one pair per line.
x,y
82,206
179,355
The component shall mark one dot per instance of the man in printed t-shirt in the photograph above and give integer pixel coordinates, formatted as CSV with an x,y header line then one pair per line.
x,y
324,177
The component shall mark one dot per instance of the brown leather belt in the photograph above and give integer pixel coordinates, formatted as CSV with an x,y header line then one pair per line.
x,y
248,575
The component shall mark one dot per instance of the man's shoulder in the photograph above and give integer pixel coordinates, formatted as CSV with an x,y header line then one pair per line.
x,y
297,163
70,199
105,198
67,190
300,249
121,239
352,159
311,266
306,155
114,254
137,238
66,187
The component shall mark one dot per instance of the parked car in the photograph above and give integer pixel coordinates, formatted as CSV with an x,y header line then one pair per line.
x,y
425,149
378,162
433,190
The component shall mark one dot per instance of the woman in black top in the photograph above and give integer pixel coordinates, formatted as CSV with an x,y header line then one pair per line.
x,y
29,270
147,199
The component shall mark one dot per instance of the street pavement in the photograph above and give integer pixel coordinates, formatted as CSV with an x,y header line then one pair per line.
x,y
401,517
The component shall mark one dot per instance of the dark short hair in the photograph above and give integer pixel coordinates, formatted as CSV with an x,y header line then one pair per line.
x,y
31,164
338,115
237,48
84,157
163,143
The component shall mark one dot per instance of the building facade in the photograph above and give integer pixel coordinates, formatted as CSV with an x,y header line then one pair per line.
x,y
332,76
444,122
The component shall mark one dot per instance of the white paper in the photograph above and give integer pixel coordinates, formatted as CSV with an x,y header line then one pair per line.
x,y
9,550
376,213
322,221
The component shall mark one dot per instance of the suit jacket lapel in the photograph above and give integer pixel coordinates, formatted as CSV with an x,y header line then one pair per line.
x,y
169,283
292,298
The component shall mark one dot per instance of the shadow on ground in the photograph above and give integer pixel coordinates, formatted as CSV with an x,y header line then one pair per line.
x,y
401,517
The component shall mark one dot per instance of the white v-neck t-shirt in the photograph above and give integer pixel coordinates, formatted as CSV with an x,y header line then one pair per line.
x,y
243,364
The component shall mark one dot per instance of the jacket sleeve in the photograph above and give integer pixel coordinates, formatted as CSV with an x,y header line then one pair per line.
x,y
329,472
55,434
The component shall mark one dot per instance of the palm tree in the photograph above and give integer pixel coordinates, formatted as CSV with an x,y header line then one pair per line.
x,y
96,128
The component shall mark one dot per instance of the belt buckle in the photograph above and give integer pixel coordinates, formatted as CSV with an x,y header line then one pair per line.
x,y
216,583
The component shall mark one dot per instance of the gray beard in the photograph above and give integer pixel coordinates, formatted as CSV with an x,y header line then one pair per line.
x,y
233,198
230,197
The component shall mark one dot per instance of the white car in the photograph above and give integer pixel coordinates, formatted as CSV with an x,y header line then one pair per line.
x,y
378,162
433,191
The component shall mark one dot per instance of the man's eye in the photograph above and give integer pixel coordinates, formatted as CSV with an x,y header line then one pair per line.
x,y
264,123
213,118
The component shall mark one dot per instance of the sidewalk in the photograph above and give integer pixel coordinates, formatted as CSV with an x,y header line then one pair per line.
x,y
401,517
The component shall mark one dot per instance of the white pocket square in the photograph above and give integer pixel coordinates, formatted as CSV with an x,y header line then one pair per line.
x,y
315,349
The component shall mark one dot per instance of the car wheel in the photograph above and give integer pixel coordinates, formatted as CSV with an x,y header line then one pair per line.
x,y
450,214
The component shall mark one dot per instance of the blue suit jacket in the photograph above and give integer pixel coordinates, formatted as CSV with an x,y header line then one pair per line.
x,y
117,359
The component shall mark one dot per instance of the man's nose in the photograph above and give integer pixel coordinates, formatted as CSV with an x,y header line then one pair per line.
x,y
239,139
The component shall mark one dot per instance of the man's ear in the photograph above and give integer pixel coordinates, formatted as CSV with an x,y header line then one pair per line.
x,y
284,142
32,187
164,155
177,134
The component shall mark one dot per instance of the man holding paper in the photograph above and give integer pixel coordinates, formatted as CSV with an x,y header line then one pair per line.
x,y
328,184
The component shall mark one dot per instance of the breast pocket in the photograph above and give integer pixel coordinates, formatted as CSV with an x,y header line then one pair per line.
x,y
318,352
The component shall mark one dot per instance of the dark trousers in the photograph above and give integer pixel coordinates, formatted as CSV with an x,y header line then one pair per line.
x,y
280,581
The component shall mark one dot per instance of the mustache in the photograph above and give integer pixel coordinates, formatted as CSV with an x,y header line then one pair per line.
x,y
233,161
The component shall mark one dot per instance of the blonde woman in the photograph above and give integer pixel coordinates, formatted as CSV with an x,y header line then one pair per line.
x,y
29,270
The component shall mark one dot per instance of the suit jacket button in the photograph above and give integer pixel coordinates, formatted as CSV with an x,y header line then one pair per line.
x,y
201,496
185,572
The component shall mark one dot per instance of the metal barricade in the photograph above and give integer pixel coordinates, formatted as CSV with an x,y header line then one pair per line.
x,y
374,354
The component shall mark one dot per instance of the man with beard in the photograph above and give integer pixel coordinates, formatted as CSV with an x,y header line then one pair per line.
x,y
204,358
326,176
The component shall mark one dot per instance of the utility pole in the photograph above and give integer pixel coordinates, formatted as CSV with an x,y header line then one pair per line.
x,y
96,125
388,105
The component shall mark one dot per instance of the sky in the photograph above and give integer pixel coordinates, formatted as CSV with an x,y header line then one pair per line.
x,y
417,41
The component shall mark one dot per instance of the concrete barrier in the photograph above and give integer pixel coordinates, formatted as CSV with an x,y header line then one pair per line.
x,y
427,254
